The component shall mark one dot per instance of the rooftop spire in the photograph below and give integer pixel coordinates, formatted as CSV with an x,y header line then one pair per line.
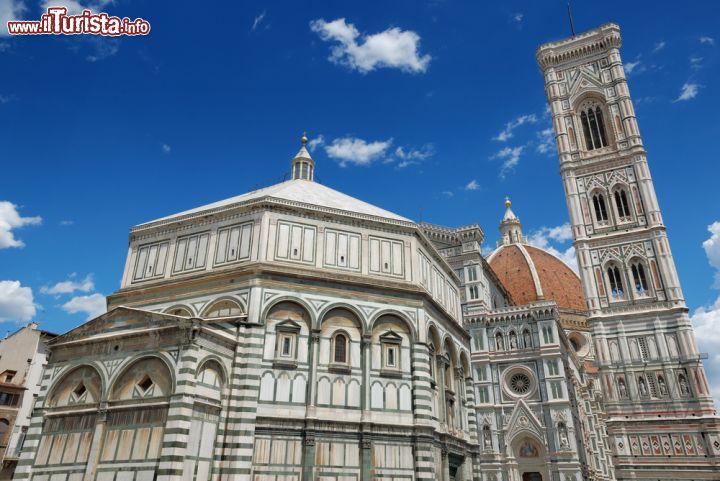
x,y
510,227
303,166
572,26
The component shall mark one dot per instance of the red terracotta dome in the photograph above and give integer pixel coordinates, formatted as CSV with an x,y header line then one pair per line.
x,y
531,274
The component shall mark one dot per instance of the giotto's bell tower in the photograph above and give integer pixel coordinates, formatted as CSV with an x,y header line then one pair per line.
x,y
661,416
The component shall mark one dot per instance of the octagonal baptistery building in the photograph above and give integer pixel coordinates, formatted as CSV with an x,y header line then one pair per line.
x,y
290,333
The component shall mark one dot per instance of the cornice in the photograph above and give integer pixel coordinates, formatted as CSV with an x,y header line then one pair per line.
x,y
579,47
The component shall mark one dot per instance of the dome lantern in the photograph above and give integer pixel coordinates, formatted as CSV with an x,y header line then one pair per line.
x,y
510,227
303,166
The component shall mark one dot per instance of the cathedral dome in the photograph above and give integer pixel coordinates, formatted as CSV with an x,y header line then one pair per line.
x,y
532,274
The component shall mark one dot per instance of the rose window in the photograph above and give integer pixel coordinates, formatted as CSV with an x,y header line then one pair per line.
x,y
520,383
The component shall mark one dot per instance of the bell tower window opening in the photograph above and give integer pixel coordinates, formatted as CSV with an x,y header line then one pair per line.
x,y
600,208
615,280
593,124
639,278
622,204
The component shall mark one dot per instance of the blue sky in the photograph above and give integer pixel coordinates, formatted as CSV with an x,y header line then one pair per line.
x,y
434,110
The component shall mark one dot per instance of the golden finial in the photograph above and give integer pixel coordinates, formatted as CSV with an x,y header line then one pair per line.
x,y
507,202
304,138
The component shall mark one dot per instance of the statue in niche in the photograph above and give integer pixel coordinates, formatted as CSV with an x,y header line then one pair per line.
x,y
642,386
622,388
684,388
662,386
487,438
499,342
513,341
526,339
563,435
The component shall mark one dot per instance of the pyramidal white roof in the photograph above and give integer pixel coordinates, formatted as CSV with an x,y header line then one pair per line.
x,y
297,190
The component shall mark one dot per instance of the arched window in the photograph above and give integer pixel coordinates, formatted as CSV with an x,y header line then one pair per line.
x,y
340,349
593,125
623,206
449,376
180,311
225,308
639,279
431,349
601,215
615,280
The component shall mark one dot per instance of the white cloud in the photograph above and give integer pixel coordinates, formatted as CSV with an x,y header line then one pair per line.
x,y
425,152
550,238
92,305
392,48
66,223
10,219
518,17
696,62
351,150
659,46
707,40
258,20
448,193
10,10
70,286
507,132
706,319
166,148
688,91
544,235
16,302
712,250
546,141
472,185
410,156
630,66
510,157
102,47
74,7
316,142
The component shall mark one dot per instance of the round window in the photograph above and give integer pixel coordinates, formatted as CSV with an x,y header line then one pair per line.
x,y
520,383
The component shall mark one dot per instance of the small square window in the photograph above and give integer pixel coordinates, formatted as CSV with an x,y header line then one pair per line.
x,y
392,356
286,342
286,345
